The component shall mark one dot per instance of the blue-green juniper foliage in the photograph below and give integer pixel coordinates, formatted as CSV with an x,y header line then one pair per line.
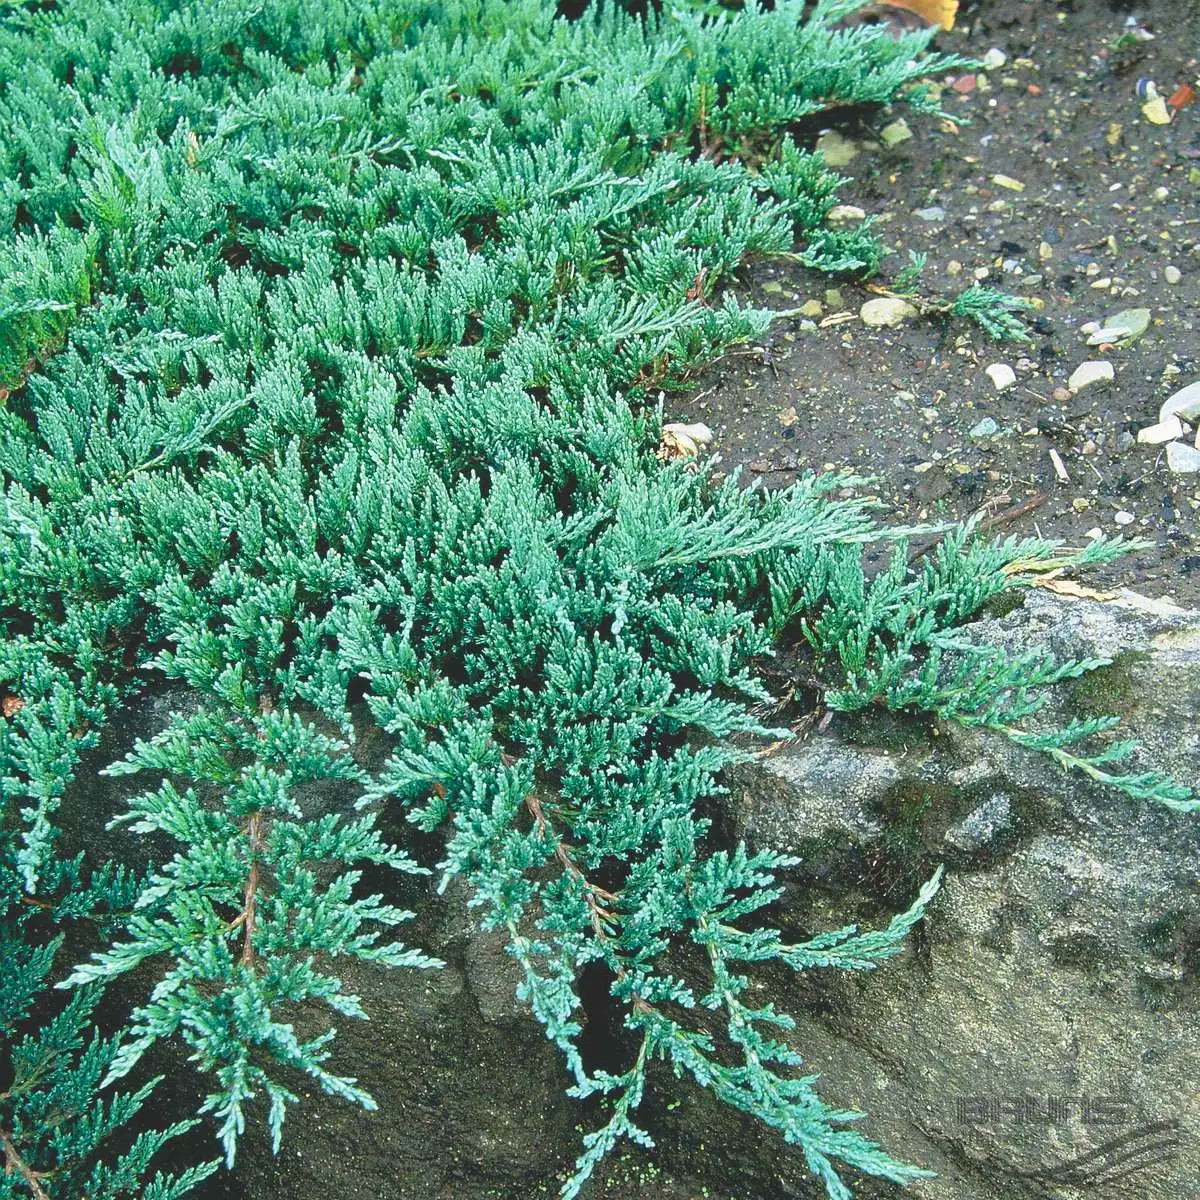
x,y
331,337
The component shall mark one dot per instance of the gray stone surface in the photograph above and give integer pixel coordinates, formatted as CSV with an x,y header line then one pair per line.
x,y
1049,1006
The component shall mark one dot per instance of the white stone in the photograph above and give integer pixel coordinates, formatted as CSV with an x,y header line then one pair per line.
x,y
1002,375
1184,404
994,59
1183,458
1172,274
1164,431
1090,373
1108,335
1124,518
886,310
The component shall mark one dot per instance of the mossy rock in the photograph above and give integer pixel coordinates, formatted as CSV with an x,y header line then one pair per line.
x,y
1109,690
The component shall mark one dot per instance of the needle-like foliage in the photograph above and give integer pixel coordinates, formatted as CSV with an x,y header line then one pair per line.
x,y
330,339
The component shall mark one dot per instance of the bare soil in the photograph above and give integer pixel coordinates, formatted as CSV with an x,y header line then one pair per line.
x,y
1105,208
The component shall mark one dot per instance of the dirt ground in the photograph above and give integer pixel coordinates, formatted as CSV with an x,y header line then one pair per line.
x,y
1107,219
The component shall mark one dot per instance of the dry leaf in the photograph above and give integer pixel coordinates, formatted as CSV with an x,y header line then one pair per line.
x,y
1047,568
932,12
1156,112
10,706
788,417
683,441
909,14
1068,587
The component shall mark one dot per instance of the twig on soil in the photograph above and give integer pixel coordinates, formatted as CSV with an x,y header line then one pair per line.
x,y
1012,513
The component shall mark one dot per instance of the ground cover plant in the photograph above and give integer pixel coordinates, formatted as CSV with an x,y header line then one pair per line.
x,y
332,347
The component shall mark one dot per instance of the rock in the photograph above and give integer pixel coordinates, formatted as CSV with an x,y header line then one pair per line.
x,y
983,826
1002,375
840,213
1106,336
935,212
1172,274
838,151
886,311
1121,517
1088,374
994,59
1129,323
1182,458
1057,959
812,308
1164,431
986,428
895,133
1184,404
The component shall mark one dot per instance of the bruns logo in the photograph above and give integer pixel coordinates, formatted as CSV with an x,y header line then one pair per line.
x,y
1136,1148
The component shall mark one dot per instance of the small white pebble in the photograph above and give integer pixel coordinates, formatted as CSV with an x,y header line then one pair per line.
x,y
1088,374
1123,517
1172,274
1002,375
1165,431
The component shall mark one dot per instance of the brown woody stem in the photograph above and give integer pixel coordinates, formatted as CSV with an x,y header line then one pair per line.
x,y
14,1162
250,895
593,893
